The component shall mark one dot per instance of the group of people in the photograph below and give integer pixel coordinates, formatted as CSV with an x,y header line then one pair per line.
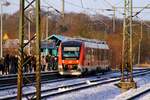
x,y
49,63
9,64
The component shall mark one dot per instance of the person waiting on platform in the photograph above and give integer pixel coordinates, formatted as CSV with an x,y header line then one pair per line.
x,y
48,63
2,68
43,63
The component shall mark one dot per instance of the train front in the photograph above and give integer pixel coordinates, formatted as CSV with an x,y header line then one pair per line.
x,y
70,58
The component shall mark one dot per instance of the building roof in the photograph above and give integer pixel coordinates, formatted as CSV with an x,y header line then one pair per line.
x,y
58,37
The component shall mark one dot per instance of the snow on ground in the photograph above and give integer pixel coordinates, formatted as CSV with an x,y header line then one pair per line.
x,y
145,97
103,92
143,83
133,92
8,92
97,93
48,85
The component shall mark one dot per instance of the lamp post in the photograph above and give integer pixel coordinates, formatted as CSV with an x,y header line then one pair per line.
x,y
140,40
45,36
1,18
47,23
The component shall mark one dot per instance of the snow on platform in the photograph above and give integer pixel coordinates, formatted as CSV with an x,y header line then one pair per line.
x,y
132,92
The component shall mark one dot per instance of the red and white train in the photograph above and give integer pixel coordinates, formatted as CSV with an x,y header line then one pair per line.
x,y
79,56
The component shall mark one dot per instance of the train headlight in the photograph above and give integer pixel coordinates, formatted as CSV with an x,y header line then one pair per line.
x,y
79,66
63,61
60,67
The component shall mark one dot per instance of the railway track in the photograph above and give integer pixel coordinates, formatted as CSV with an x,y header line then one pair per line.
x,y
139,94
46,93
24,74
45,80
10,80
30,78
52,80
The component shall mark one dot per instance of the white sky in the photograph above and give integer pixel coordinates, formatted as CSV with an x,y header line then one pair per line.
x,y
76,6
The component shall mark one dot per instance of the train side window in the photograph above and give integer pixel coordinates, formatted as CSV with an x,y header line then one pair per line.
x,y
99,54
92,54
88,54
105,54
102,54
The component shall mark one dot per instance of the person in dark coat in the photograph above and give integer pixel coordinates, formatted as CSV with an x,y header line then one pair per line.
x,y
14,64
48,61
6,63
2,68
33,62
11,65
29,63
43,63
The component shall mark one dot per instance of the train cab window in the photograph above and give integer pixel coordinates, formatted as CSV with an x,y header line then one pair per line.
x,y
70,52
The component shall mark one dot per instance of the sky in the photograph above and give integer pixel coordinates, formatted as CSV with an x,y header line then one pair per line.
x,y
87,6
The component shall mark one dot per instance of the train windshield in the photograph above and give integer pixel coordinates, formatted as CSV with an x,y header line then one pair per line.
x,y
71,52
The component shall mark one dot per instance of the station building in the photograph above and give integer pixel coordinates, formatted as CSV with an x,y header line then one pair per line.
x,y
51,44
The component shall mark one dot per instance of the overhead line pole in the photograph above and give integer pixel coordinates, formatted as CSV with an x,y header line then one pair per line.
x,y
22,47
114,15
131,41
47,22
114,20
6,3
21,50
127,81
63,10
1,42
38,54
29,32
140,40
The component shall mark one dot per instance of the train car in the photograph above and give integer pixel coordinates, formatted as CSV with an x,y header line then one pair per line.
x,y
80,56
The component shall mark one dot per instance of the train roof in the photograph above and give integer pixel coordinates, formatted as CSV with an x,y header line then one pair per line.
x,y
59,37
72,42
93,43
96,45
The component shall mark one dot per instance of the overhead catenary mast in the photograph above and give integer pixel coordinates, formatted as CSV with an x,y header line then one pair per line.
x,y
22,54
127,81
